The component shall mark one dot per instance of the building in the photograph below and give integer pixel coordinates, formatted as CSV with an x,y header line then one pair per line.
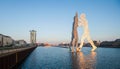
x,y
20,43
5,40
1,40
33,36
117,40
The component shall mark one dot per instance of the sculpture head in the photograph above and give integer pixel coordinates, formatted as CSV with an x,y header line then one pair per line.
x,y
76,20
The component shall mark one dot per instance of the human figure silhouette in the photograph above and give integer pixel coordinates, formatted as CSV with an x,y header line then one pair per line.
x,y
86,35
74,39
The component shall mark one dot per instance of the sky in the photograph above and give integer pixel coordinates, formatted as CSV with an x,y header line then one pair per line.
x,y
53,19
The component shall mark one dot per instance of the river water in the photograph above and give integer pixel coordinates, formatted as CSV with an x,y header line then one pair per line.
x,y
62,58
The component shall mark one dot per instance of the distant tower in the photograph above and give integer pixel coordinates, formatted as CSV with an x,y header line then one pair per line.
x,y
33,36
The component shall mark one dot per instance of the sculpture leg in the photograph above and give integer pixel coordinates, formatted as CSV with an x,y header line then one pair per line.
x,y
73,44
81,43
76,44
92,44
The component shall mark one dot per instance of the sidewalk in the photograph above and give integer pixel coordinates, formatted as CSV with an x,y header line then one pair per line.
x,y
11,50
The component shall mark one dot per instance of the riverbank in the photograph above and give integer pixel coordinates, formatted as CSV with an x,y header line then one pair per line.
x,y
10,58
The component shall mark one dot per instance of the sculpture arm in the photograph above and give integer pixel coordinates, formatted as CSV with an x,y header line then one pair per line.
x,y
79,22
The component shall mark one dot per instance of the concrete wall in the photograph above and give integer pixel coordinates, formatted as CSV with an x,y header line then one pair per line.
x,y
11,60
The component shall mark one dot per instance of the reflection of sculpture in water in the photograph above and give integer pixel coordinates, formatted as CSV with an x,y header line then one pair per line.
x,y
83,22
75,64
81,61
87,61
74,39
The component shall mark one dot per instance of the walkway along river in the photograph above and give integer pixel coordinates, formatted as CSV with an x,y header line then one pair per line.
x,y
11,59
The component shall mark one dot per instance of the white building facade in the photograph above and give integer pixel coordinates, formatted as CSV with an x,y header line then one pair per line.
x,y
6,40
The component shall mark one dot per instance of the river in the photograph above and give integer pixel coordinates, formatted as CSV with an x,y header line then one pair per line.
x,y
62,58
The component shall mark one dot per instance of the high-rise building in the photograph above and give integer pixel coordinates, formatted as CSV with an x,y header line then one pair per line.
x,y
33,36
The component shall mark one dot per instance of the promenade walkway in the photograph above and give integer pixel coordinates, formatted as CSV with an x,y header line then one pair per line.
x,y
7,50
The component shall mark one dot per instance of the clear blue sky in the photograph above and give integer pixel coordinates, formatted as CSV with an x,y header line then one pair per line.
x,y
52,19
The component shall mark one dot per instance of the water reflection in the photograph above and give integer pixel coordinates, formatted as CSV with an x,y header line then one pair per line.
x,y
62,58
83,61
